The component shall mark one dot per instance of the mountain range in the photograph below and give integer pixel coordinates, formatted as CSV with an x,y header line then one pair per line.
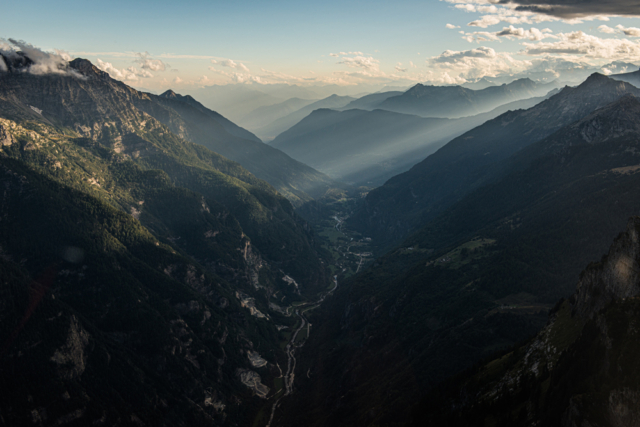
x,y
144,275
156,268
393,210
457,101
369,147
481,275
278,126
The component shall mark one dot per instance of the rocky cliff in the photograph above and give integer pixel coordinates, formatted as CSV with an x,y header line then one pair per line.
x,y
581,370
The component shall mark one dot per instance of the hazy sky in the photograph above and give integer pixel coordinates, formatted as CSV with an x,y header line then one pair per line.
x,y
160,44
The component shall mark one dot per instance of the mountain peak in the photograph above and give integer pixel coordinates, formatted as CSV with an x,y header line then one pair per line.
x,y
16,62
524,82
87,68
170,94
595,78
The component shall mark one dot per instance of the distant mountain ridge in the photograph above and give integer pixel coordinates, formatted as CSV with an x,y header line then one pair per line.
x,y
457,101
262,116
371,101
420,194
369,147
632,78
278,126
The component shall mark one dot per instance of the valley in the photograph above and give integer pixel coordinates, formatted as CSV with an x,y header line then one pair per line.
x,y
372,255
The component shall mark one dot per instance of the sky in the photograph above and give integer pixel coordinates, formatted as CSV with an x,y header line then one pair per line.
x,y
167,44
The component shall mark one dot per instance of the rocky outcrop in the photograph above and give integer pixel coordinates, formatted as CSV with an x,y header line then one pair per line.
x,y
253,381
581,370
71,358
615,277
6,138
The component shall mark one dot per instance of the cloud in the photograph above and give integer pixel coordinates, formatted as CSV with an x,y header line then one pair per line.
x,y
570,9
485,21
177,80
147,63
205,81
230,63
479,36
525,11
130,74
365,62
41,62
509,32
588,46
452,56
606,29
400,69
460,66
335,55
451,26
532,34
631,31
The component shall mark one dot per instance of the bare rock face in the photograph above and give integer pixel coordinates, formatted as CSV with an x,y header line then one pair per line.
x,y
254,382
6,138
616,277
71,357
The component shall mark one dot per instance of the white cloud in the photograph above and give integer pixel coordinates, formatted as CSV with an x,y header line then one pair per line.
x,y
532,34
451,26
41,62
631,31
479,36
460,66
485,21
147,63
130,74
230,63
606,29
365,62
400,69
587,46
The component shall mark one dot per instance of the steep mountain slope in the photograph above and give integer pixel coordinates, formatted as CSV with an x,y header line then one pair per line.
x,y
369,147
581,369
478,278
370,102
457,101
191,120
262,116
102,110
103,323
212,116
276,127
150,273
407,200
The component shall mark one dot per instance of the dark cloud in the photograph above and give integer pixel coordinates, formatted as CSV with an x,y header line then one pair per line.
x,y
568,9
